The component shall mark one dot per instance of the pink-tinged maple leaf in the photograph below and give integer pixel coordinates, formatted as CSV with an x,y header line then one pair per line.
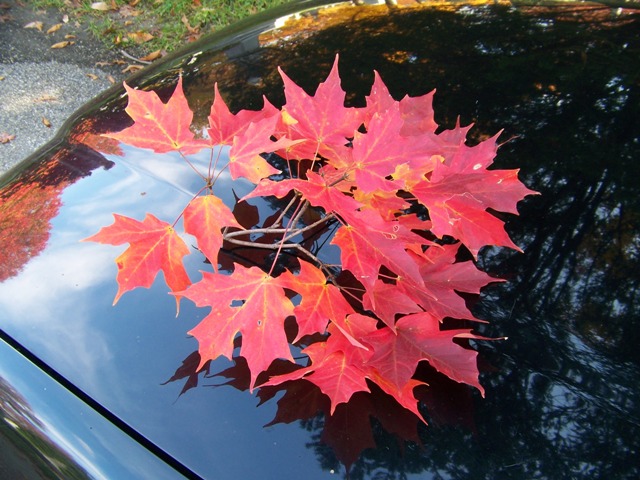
x,y
317,189
418,337
417,116
386,300
259,318
387,204
321,302
337,378
346,337
379,99
442,273
162,127
204,218
337,365
461,189
442,277
216,332
379,151
464,217
404,395
369,242
321,120
245,158
153,246
224,125
331,371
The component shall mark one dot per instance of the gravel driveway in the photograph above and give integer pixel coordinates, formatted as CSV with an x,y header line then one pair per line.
x,y
41,86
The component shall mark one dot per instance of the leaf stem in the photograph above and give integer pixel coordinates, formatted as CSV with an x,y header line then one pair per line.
x,y
238,233
289,224
214,164
300,231
173,225
184,157
285,210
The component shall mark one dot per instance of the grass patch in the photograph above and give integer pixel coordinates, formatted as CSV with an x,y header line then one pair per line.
x,y
150,25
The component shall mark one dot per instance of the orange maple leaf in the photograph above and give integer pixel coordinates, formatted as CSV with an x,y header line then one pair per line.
x,y
153,246
162,127
250,302
204,218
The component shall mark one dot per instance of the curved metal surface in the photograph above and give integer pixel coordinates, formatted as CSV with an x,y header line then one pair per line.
x,y
47,432
560,392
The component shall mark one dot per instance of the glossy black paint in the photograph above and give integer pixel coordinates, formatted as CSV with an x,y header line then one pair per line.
x,y
562,392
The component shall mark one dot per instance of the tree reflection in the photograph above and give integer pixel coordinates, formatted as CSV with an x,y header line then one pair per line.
x,y
28,203
20,427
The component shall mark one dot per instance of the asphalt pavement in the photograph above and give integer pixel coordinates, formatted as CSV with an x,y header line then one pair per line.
x,y
43,80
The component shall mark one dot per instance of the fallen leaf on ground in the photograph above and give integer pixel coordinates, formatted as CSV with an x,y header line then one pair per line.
x,y
46,98
92,76
140,37
6,137
111,79
185,22
132,68
113,62
128,11
46,122
152,56
192,37
101,6
69,37
36,25
65,18
55,28
64,44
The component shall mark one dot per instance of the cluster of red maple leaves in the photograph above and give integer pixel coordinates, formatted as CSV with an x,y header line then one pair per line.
x,y
365,169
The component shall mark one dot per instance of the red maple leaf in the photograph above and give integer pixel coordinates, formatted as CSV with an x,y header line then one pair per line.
x,y
154,245
418,337
250,302
321,121
204,218
386,300
319,190
224,125
379,151
338,374
369,242
321,301
162,127
417,112
245,156
459,191
249,133
442,277
339,368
